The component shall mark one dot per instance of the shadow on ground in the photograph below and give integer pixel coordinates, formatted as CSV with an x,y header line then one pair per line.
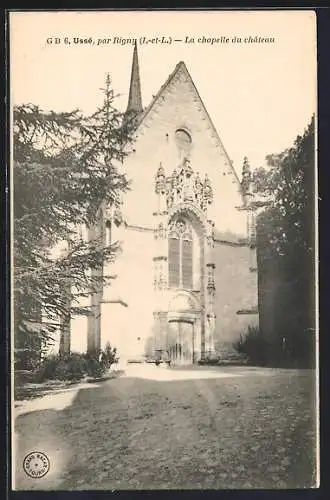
x,y
152,429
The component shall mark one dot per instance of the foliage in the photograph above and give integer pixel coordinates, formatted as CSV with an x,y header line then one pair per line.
x,y
66,171
94,366
28,352
47,368
285,241
253,345
109,355
75,366
210,360
69,367
288,183
219,358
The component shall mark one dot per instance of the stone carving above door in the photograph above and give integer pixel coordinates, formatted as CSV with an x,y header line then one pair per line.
x,y
183,302
184,186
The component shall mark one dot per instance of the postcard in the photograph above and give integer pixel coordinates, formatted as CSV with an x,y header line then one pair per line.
x,y
164,248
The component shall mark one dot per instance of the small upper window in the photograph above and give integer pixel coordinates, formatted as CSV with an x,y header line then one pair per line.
x,y
182,138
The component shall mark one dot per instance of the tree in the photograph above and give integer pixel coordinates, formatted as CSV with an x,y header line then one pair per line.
x,y
66,170
286,247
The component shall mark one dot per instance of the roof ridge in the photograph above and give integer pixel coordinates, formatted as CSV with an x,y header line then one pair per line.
x,y
215,130
155,97
146,111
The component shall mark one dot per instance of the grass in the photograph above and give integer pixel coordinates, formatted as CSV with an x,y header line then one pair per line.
x,y
251,431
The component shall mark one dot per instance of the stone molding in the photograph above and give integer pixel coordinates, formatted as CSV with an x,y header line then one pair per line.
x,y
252,310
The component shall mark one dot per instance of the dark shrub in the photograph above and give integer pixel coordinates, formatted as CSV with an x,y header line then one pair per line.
x,y
210,360
253,346
94,368
67,367
75,366
27,357
62,371
23,377
109,356
71,367
48,367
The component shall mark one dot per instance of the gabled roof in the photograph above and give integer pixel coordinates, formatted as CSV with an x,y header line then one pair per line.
x,y
159,93
182,68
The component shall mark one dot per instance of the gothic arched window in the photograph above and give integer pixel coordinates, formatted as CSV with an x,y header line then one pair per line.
x,y
180,256
174,261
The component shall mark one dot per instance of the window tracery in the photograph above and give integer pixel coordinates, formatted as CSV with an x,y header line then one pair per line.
x,y
180,255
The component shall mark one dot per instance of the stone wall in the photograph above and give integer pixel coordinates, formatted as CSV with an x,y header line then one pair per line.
x,y
236,291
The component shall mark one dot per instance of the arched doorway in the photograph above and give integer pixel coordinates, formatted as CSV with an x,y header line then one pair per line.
x,y
180,345
183,312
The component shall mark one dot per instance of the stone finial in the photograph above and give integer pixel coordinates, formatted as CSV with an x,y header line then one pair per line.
x,y
208,192
174,179
160,180
246,176
187,168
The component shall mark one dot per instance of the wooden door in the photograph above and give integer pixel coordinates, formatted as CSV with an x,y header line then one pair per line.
x,y
180,343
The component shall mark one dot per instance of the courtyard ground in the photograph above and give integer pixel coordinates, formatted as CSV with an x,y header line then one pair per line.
x,y
161,428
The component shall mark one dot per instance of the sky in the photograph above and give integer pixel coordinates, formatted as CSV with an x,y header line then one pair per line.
x,y
260,96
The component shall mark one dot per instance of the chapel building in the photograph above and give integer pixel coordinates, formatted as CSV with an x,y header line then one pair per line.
x,y
187,273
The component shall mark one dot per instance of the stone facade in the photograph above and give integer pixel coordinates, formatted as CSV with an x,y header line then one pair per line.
x,y
186,277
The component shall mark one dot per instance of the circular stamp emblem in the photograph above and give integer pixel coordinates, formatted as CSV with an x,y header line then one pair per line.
x,y
36,464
